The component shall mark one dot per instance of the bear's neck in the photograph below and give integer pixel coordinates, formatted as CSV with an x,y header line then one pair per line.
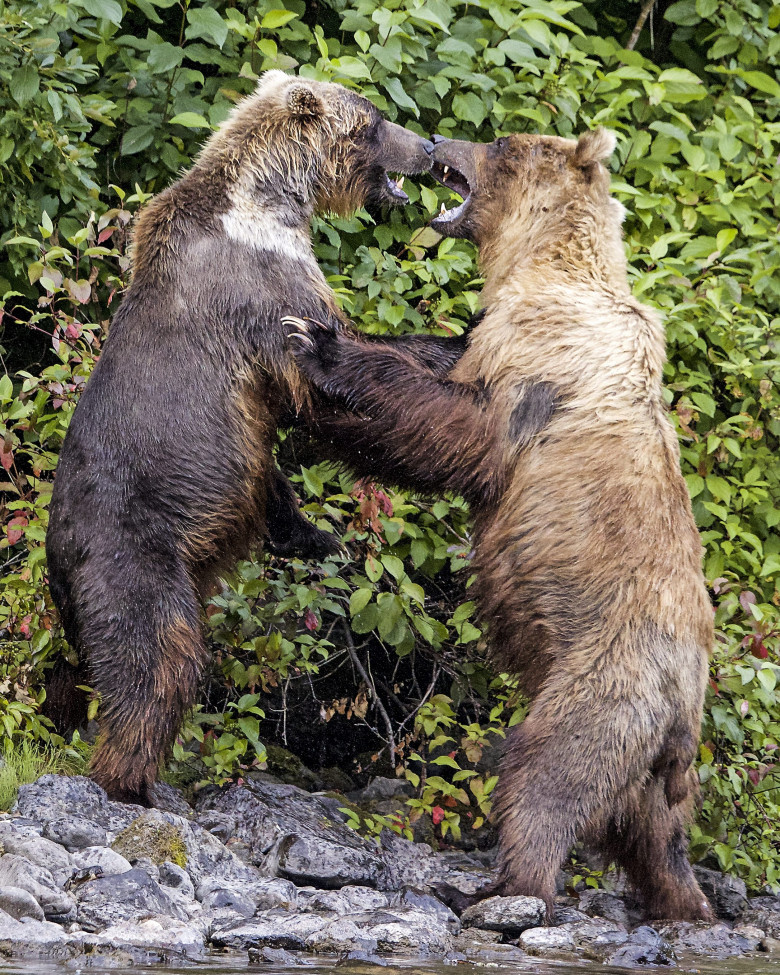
x,y
577,249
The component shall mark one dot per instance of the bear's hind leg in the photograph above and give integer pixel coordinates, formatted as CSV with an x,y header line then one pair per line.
x,y
575,755
648,840
146,655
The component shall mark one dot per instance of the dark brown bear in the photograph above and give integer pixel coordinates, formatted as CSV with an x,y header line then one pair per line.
x,y
167,473
587,555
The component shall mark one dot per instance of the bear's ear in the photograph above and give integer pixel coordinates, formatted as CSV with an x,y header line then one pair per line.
x,y
593,147
303,101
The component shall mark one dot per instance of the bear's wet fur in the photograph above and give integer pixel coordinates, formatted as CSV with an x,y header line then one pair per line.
x,y
588,561
167,476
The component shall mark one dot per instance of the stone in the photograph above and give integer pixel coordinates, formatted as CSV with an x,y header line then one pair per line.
x,y
485,948
167,940
55,797
711,940
16,871
264,892
343,901
381,787
764,913
40,851
276,928
104,857
172,875
20,903
644,946
431,905
573,939
509,915
548,942
222,900
75,833
32,939
131,896
728,895
406,931
601,903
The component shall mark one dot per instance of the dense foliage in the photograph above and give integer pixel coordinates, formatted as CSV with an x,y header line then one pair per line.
x,y
102,102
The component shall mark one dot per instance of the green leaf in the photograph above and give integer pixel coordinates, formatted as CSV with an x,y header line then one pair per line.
x,y
192,120
137,138
24,83
277,18
761,81
359,599
396,92
103,9
162,57
6,389
205,22
469,107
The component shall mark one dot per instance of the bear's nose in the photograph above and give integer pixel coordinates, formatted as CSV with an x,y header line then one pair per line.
x,y
428,146
438,138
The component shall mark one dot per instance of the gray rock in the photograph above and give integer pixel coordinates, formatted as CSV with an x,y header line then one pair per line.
x,y
32,939
509,915
406,931
567,915
75,833
400,931
572,940
344,901
644,946
764,914
431,905
476,948
264,892
168,940
40,851
104,857
16,871
131,896
292,833
382,788
728,895
269,929
222,825
712,940
221,900
20,903
55,797
169,799
281,958
601,903
172,875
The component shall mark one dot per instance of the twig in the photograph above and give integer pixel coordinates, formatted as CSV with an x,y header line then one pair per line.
x,y
372,691
643,15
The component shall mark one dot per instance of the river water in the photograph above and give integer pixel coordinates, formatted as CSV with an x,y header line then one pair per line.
x,y
761,965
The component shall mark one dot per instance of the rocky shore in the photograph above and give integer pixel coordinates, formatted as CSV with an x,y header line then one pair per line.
x,y
271,870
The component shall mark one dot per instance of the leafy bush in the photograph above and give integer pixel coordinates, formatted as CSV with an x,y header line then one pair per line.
x,y
103,101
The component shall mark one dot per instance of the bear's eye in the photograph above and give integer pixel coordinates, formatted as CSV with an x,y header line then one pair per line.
x,y
502,143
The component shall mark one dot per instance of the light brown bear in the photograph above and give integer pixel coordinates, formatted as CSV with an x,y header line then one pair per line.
x,y
167,476
588,559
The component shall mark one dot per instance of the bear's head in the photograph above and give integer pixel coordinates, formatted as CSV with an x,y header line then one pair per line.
x,y
531,186
316,143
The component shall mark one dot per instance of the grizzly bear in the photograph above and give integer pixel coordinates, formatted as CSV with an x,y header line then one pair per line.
x,y
588,561
167,473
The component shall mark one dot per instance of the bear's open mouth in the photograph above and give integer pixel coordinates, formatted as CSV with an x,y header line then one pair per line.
x,y
454,180
394,188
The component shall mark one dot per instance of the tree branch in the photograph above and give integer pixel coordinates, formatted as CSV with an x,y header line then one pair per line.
x,y
372,691
643,15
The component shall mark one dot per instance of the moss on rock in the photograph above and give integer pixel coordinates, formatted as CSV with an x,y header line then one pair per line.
x,y
154,838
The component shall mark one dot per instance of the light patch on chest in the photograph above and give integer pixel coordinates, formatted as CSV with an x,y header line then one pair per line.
x,y
248,222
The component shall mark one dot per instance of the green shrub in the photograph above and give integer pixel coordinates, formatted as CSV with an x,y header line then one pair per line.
x,y
103,101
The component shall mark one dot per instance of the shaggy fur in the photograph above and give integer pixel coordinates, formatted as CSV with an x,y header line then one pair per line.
x,y
166,476
587,555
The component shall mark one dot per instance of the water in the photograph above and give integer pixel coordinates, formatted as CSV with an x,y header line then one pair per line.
x,y
757,965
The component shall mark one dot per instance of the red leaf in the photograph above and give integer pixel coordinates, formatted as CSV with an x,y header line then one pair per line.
x,y
16,528
746,599
6,455
24,627
310,620
754,776
105,234
437,814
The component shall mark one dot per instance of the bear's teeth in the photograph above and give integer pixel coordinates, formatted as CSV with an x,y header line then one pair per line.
x,y
400,182
442,211
446,170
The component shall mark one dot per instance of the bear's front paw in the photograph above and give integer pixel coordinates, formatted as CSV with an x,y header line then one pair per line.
x,y
315,348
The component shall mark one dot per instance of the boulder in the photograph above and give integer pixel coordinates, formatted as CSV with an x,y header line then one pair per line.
x,y
509,915
131,896
16,871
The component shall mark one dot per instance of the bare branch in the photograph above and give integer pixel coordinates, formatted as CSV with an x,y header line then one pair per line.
x,y
647,6
372,691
